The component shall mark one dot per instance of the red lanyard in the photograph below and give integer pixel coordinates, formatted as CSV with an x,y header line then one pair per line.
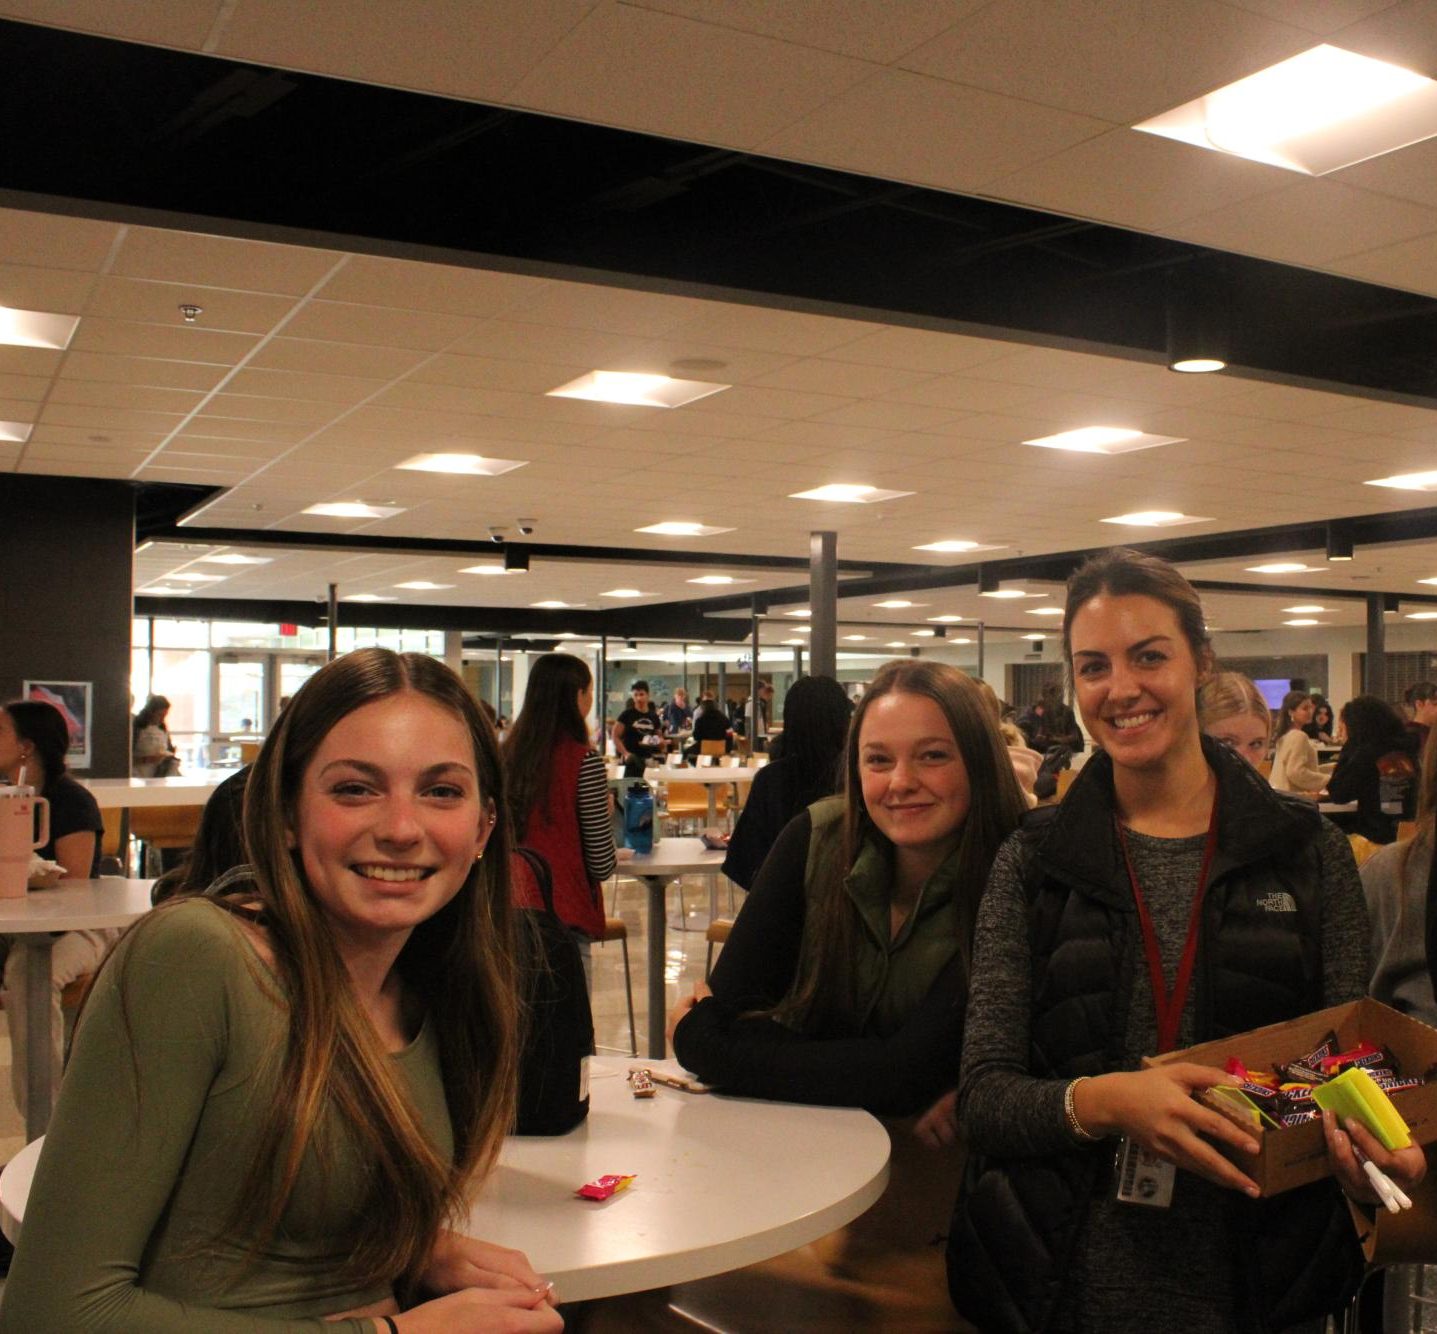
x,y
1169,1006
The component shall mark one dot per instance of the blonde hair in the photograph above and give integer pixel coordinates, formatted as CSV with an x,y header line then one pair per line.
x,y
1230,695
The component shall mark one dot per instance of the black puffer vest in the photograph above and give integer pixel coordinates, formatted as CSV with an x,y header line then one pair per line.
x,y
1259,962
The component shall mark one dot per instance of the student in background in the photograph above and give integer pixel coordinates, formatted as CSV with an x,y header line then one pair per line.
x,y
1232,710
678,716
638,731
1294,762
807,766
34,740
1422,701
559,791
1377,768
1069,993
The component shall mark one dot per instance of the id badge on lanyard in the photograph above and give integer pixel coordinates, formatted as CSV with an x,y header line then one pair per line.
x,y
1143,1176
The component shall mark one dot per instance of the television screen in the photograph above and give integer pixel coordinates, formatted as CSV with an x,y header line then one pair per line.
x,y
1274,691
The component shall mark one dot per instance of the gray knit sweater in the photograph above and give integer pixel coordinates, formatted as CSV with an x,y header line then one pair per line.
x,y
1396,888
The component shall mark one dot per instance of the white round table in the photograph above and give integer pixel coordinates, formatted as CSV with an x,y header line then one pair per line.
x,y
720,1183
73,905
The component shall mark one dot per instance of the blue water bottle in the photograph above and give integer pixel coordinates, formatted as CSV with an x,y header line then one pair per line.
x,y
639,817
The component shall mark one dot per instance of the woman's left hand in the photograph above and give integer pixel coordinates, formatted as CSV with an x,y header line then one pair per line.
x,y
460,1262
1406,1166
701,992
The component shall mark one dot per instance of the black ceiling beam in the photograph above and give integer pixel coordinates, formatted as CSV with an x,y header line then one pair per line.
x,y
130,132
367,545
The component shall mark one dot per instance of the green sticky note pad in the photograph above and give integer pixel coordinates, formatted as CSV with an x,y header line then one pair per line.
x,y
1354,1094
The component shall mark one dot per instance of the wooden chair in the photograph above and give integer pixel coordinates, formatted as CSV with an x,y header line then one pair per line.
x,y
717,934
687,801
249,751
1362,848
615,928
165,827
713,748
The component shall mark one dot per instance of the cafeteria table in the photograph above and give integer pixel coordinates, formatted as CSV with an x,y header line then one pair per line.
x,y
670,859
73,905
711,776
127,794
718,1183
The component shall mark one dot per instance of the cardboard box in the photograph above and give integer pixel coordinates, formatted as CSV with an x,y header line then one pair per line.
x,y
1297,1155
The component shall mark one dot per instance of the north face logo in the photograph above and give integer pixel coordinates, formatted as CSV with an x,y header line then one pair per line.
x,y
1280,902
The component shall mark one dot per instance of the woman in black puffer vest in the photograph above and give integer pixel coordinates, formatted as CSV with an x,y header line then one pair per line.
x,y
1062,1008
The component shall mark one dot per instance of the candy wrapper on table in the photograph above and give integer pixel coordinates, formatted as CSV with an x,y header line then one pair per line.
x,y
1294,1151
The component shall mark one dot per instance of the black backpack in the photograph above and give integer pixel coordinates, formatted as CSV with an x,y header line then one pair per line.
x,y
558,1025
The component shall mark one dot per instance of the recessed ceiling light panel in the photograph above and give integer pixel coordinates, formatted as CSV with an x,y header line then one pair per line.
x,y
236,558
1422,616
955,546
1408,481
16,432
1044,611
719,580
1103,440
194,577
678,528
1155,519
352,509
1303,620
461,465
1009,594
367,597
846,493
644,391
622,593
423,586
1304,609
897,604
1314,113
36,328
1284,567
490,570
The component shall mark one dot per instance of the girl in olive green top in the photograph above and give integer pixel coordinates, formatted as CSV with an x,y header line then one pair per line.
x,y
279,1094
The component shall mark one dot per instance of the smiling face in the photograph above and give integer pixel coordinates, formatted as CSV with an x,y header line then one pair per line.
x,y
1245,734
915,784
1135,679
390,817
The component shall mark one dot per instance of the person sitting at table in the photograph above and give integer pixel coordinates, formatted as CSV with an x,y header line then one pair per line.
x,y
1232,710
844,977
559,791
678,716
806,766
280,1093
1377,769
711,723
218,844
34,741
1421,699
1323,726
638,731
154,752
1294,762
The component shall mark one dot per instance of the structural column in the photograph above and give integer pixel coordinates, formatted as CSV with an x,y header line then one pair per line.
x,y
1374,676
823,603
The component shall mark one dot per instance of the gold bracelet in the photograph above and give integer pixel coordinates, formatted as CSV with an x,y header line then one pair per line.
x,y
1070,1114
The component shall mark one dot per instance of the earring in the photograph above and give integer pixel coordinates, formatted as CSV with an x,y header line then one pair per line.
x,y
479,856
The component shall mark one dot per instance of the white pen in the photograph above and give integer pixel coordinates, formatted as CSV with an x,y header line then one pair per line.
x,y
1390,1192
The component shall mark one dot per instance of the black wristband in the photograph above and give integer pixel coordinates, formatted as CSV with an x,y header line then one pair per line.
x,y
388,1320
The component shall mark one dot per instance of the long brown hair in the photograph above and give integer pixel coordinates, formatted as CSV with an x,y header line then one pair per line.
x,y
550,712
461,963
822,989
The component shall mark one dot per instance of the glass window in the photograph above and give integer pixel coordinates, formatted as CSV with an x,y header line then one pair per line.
x,y
181,634
241,695
293,673
140,632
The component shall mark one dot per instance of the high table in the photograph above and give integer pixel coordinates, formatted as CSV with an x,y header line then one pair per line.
x,y
128,793
711,776
670,859
73,905
719,1183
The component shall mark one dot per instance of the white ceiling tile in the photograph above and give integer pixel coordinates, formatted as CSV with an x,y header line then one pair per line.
x,y
1410,266
140,370
766,329
51,242
889,415
1121,61
450,289
159,303
107,419
1323,17
340,322
969,137
865,29
1137,179
639,69
1407,173
221,261
29,361
446,46
175,342
29,388
252,407
339,389
781,403
1404,33
61,291
491,373
1311,221
184,23
112,394
353,359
